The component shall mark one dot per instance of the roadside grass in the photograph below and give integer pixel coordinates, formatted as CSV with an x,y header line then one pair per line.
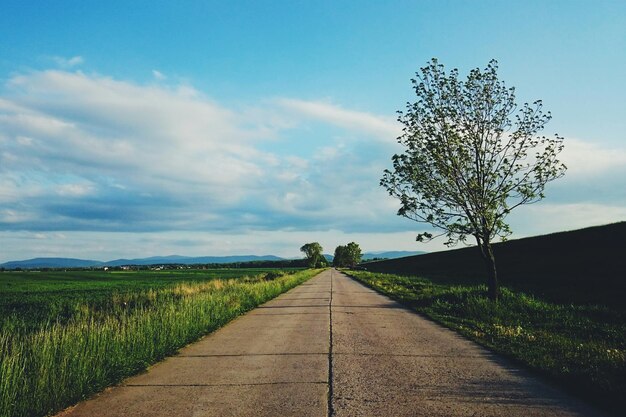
x,y
48,363
30,298
582,347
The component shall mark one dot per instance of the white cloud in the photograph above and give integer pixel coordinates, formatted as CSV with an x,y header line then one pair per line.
x,y
106,246
547,217
584,158
75,190
384,128
162,135
148,157
158,75
9,216
67,63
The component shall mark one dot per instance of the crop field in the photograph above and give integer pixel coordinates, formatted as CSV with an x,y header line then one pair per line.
x,y
583,347
66,335
32,297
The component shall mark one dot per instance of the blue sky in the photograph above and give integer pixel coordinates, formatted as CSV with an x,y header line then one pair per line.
x,y
213,128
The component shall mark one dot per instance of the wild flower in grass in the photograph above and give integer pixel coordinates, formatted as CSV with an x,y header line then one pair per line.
x,y
508,331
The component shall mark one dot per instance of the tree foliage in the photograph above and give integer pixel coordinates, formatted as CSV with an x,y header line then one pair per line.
x,y
348,255
471,156
313,253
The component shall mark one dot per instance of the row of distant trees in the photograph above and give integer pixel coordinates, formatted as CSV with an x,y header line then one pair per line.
x,y
348,255
345,255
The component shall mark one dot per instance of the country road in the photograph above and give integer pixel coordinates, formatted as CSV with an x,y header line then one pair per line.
x,y
332,347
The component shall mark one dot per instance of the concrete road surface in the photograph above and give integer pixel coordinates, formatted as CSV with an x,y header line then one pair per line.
x,y
332,347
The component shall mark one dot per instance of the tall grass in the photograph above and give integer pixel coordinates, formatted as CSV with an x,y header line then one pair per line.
x,y
62,362
581,346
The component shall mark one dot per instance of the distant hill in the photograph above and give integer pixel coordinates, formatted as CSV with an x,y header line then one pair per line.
x,y
37,263
390,255
186,260
155,260
584,266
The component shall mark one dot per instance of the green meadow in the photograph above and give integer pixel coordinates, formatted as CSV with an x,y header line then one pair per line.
x,y
67,335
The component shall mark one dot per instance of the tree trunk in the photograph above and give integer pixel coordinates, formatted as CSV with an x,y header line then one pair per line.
x,y
493,287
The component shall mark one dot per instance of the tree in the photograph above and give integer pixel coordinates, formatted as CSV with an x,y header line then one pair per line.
x,y
313,253
472,155
348,255
354,254
339,259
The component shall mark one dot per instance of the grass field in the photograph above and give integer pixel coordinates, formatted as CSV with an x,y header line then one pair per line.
x,y
33,297
581,346
66,335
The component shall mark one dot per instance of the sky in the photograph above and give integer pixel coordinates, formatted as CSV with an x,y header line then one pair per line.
x,y
144,128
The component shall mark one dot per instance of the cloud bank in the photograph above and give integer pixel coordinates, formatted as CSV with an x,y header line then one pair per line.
x,y
86,153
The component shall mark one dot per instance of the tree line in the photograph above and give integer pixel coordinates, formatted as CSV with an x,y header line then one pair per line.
x,y
345,255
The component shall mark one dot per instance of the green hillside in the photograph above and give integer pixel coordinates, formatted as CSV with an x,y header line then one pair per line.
x,y
586,266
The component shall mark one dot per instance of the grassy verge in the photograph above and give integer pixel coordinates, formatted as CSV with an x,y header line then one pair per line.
x,y
582,347
45,369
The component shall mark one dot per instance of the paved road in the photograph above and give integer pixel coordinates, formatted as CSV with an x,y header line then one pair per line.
x,y
332,346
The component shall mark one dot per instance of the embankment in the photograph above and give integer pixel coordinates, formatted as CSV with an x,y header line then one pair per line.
x,y
585,266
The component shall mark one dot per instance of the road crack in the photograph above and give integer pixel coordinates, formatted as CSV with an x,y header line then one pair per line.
x,y
330,411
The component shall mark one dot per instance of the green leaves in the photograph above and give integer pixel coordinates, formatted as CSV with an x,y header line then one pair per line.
x,y
313,253
347,255
471,154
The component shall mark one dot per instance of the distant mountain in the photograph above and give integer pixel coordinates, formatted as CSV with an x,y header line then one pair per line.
x,y
187,260
390,254
50,263
38,263
173,259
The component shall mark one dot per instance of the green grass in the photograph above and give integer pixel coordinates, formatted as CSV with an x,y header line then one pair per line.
x,y
33,297
582,347
103,328
56,281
